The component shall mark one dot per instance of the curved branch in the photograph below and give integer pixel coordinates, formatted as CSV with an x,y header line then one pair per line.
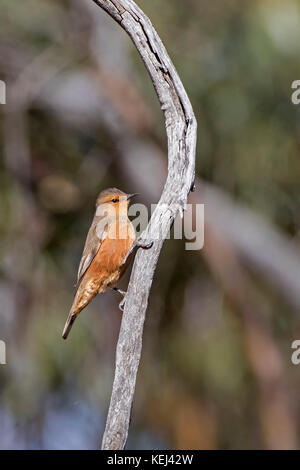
x,y
181,130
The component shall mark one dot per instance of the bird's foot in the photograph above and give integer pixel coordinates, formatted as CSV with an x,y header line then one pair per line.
x,y
122,292
142,244
138,244
122,304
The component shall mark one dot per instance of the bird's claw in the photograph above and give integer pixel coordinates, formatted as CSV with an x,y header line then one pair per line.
x,y
144,246
122,304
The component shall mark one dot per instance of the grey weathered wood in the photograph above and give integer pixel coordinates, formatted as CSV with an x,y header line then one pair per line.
x,y
181,130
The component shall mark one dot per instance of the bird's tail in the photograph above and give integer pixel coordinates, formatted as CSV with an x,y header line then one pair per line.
x,y
69,323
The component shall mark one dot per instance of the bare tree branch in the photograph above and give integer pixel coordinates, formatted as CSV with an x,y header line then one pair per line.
x,y
181,129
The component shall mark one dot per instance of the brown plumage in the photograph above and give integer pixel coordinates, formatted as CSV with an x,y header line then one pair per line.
x,y
104,259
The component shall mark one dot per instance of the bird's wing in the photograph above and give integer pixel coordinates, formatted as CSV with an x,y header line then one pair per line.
x,y
94,239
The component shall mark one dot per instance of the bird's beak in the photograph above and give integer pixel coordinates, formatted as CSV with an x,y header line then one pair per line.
x,y
129,196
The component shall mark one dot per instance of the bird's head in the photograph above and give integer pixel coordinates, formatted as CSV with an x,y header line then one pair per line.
x,y
114,198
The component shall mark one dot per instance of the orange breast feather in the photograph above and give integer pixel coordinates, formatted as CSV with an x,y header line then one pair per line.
x,y
108,265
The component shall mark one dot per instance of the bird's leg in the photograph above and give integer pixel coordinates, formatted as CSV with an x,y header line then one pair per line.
x,y
122,292
137,244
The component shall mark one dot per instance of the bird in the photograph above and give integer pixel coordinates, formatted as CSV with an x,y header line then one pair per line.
x,y
106,254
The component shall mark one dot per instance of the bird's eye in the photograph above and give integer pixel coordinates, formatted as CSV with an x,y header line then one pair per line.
x,y
114,200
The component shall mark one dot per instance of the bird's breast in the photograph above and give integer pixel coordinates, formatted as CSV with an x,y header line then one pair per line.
x,y
108,264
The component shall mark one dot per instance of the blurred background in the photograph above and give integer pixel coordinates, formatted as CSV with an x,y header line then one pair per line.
x,y
81,115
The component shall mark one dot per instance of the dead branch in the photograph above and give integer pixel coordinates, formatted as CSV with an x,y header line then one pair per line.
x,y
181,131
